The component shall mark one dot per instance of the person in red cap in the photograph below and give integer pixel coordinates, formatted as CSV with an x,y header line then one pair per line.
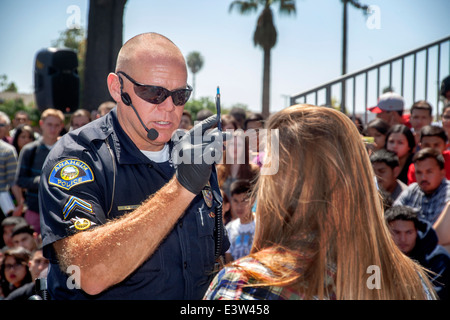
x,y
390,108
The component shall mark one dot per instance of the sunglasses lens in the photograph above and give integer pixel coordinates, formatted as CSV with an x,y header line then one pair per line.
x,y
152,94
180,97
157,95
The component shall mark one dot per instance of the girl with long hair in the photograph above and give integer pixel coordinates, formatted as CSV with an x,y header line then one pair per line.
x,y
400,139
23,135
320,231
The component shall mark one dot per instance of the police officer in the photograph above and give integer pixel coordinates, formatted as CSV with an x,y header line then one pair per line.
x,y
120,219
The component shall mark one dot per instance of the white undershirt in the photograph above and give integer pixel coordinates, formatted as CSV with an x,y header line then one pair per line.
x,y
158,156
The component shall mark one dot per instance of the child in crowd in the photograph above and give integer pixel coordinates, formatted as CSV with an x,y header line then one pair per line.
x,y
240,230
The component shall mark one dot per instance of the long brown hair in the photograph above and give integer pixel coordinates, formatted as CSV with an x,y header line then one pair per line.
x,y
322,209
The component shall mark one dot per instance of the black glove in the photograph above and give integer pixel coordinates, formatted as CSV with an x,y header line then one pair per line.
x,y
195,153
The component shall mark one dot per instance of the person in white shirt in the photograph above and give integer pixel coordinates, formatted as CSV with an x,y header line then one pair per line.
x,y
240,230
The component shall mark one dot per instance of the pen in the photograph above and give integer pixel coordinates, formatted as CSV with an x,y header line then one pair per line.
x,y
219,123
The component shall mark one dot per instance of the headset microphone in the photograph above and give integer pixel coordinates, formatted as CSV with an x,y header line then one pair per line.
x,y
152,134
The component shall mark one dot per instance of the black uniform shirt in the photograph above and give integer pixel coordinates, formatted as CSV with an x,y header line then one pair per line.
x,y
95,174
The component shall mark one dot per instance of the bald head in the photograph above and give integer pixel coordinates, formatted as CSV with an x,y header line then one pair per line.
x,y
148,48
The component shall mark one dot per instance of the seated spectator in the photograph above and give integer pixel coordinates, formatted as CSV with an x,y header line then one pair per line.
x,y
319,221
400,140
5,124
378,129
203,114
432,137
104,108
417,239
446,121
431,192
23,135
253,123
8,225
358,123
186,120
240,115
79,118
421,116
21,117
240,230
37,265
14,271
228,122
23,235
390,108
386,166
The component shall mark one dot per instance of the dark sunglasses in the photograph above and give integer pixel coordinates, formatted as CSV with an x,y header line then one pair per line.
x,y
157,95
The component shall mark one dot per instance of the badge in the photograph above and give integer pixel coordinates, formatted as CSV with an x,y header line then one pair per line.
x,y
76,203
69,173
207,195
81,223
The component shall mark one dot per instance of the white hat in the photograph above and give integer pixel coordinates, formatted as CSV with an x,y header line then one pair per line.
x,y
389,101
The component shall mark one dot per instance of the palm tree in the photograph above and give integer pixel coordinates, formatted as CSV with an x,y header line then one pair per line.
x,y
265,35
195,63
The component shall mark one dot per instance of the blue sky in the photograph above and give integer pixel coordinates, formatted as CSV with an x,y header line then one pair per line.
x,y
308,52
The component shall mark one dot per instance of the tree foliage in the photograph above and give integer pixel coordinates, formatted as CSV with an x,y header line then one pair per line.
x,y
195,105
265,34
5,85
10,107
70,38
195,63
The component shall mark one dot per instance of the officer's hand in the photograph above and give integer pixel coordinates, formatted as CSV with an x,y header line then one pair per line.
x,y
196,152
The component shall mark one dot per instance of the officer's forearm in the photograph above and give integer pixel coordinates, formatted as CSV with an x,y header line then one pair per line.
x,y
107,254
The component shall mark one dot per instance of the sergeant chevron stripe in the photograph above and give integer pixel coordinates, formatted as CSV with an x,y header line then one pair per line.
x,y
74,203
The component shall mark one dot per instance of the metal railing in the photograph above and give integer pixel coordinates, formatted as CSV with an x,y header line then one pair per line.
x,y
397,69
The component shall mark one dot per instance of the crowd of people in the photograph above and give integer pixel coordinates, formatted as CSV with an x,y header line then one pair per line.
x,y
409,156
339,206
23,150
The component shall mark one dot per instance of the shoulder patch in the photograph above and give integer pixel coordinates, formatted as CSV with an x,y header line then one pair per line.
x,y
69,173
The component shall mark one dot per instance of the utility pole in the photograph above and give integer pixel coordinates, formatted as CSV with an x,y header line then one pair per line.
x,y
344,52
